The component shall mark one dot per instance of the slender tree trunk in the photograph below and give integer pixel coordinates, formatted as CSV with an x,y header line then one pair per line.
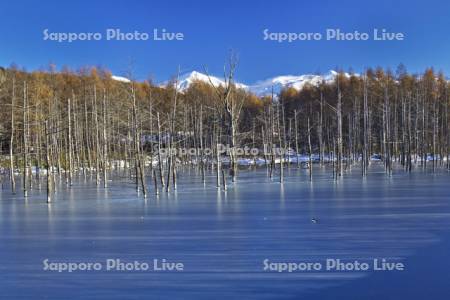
x,y
69,140
11,144
309,151
25,141
97,142
160,162
105,144
48,164
339,138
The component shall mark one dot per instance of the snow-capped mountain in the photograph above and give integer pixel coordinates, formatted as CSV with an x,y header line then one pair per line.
x,y
278,83
120,78
260,88
184,81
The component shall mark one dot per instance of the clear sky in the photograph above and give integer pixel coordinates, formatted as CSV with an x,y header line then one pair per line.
x,y
212,28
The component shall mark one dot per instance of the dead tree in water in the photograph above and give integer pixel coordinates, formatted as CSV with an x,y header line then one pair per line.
x,y
105,143
230,106
338,141
97,142
138,156
155,182
25,141
169,162
160,161
320,130
296,138
224,180
386,131
309,151
365,152
218,162
38,143
280,148
272,138
69,140
202,158
87,142
339,124
48,164
11,145
172,160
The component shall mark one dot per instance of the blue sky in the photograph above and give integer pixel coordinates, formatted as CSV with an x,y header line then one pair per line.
x,y
212,28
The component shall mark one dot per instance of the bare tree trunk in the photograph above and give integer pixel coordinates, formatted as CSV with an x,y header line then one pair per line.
x,y
218,161
105,144
69,139
296,138
38,150
309,150
224,180
140,171
365,156
174,173
11,144
272,138
202,158
25,141
155,182
320,131
169,164
161,172
97,143
280,144
386,131
339,138
48,163
87,137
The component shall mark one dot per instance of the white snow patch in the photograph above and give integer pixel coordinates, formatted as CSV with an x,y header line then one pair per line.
x,y
120,78
185,81
297,82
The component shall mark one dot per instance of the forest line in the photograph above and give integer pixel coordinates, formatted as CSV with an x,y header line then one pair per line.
x,y
85,122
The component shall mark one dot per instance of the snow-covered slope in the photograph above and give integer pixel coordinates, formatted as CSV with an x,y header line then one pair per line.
x,y
187,79
260,88
120,78
278,83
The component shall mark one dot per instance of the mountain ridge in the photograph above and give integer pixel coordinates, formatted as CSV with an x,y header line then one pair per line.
x,y
262,87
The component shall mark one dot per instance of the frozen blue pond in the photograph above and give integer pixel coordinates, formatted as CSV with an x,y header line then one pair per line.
x,y
222,238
